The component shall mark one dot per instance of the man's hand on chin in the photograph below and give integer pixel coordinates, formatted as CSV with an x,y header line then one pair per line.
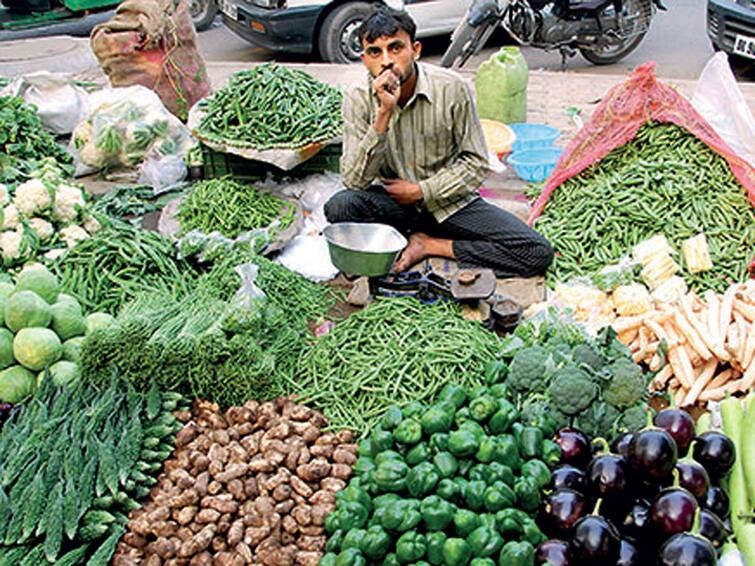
x,y
403,192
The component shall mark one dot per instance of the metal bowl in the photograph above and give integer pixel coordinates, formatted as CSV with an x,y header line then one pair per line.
x,y
363,249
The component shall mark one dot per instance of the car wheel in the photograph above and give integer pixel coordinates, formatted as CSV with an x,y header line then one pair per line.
x,y
339,35
203,13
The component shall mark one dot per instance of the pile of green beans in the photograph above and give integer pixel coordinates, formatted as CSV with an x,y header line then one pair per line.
x,y
393,352
231,208
118,263
272,107
665,181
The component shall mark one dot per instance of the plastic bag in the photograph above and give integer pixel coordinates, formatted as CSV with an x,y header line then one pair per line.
x,y
153,43
123,127
248,291
60,103
161,172
308,255
720,101
623,111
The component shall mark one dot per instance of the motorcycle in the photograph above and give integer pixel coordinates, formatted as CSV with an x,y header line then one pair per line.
x,y
603,31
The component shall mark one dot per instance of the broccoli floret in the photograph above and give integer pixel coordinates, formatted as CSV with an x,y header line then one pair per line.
x,y
600,419
572,390
527,370
627,384
532,410
586,355
634,418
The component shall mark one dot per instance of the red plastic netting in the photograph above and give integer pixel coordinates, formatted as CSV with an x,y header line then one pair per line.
x,y
626,107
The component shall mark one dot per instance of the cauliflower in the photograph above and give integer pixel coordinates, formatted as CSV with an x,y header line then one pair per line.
x,y
72,234
42,228
68,201
54,254
82,135
4,195
92,225
10,217
10,244
90,155
32,196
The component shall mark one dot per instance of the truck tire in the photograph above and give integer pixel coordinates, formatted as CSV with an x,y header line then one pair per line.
x,y
338,41
203,13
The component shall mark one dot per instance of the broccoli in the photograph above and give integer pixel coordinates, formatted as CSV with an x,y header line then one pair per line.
x,y
600,419
627,385
635,418
527,370
572,390
610,347
586,355
532,409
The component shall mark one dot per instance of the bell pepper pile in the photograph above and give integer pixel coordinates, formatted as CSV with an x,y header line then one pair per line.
x,y
454,483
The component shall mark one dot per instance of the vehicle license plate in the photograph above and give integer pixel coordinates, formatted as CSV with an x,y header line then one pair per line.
x,y
744,46
229,9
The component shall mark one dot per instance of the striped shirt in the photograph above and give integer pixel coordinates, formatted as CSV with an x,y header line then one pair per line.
x,y
435,140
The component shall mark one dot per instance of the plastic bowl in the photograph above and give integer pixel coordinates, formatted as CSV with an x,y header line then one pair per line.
x,y
535,165
533,136
499,137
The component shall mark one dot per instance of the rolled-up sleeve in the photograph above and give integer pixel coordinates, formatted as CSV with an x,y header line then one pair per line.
x,y
363,148
465,172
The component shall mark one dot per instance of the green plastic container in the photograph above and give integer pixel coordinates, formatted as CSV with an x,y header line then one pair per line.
x,y
501,85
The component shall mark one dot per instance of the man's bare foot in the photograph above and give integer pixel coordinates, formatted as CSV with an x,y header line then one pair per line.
x,y
419,247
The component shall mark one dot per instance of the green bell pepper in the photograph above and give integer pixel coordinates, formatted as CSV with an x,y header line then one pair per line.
x,y
368,482
487,520
478,472
387,455
456,552
551,452
439,442
422,479
363,465
475,428
438,418
381,440
366,448
353,539
482,562
527,493
328,559
413,410
547,424
385,500
402,516
517,554
446,489
350,557
332,521
531,442
474,495
486,451
537,470
465,465
391,560
463,443
466,521
510,522
507,452
462,416
482,408
352,515
392,417
505,416
495,372
334,541
499,496
461,487
410,547
355,492
408,432
532,533
376,543
477,391
454,394
484,541
391,475
435,542
495,471
420,453
500,391
437,513
446,464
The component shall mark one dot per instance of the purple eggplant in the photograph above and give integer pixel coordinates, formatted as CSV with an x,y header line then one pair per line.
x,y
715,451
687,549
553,552
560,512
679,425
673,511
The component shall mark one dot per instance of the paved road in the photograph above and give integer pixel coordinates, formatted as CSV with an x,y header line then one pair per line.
x,y
684,19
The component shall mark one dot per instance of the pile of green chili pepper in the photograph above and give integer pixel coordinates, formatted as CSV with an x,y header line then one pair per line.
x,y
231,208
272,107
456,482
394,351
665,181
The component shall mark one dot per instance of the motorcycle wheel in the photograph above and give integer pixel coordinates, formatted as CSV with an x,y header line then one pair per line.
x,y
614,53
202,13
465,42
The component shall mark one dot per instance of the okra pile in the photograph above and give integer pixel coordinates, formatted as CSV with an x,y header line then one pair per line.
x,y
75,461
665,181
447,483
272,107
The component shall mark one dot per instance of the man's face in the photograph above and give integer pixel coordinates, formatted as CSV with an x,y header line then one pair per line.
x,y
396,53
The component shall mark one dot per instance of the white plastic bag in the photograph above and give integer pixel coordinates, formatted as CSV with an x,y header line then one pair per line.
x,y
308,255
720,101
162,172
61,104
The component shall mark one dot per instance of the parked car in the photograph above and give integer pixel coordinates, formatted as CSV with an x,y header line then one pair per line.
x,y
731,26
327,27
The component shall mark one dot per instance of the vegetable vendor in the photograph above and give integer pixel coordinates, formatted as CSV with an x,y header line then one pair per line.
x,y
414,157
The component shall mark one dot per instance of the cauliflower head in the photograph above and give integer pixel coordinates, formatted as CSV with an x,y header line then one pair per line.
x,y
32,196
627,385
10,217
572,390
10,244
4,195
42,228
69,201
92,225
73,234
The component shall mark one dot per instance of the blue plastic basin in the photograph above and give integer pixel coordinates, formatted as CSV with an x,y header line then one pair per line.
x,y
533,136
535,165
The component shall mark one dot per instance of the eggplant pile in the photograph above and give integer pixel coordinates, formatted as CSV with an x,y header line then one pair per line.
x,y
640,502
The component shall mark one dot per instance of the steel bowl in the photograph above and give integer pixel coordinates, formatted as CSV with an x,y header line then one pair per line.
x,y
363,249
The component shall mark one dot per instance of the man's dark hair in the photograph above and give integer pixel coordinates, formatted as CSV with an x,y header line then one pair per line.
x,y
385,21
